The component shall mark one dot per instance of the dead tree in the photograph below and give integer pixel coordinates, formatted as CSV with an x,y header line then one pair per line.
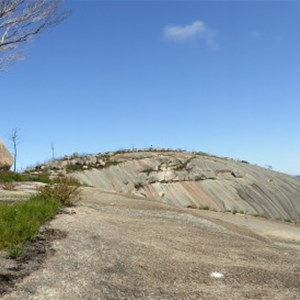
x,y
21,20
52,150
15,139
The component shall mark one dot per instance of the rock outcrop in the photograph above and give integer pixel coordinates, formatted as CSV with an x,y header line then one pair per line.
x,y
6,159
186,179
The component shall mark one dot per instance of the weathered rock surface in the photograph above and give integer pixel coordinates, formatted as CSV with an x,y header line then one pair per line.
x,y
131,236
20,191
125,247
185,179
6,159
200,181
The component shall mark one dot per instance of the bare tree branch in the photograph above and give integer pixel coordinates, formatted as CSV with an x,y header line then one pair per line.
x,y
9,59
21,20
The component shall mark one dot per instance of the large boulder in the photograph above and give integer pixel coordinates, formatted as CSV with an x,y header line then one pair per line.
x,y
6,159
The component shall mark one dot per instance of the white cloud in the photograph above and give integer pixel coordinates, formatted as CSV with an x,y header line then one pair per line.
x,y
197,30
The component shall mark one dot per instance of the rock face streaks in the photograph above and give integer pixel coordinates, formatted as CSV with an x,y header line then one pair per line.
x,y
199,181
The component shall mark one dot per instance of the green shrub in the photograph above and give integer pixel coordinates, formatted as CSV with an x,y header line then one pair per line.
x,y
205,207
40,178
73,168
111,162
21,221
8,176
66,190
236,211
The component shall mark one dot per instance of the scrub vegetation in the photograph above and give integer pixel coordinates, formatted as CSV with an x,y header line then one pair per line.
x,y
8,176
21,221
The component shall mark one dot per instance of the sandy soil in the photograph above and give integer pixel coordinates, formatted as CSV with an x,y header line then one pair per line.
x,y
118,247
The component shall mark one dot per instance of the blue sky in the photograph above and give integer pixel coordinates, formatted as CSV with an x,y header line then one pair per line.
x,y
215,76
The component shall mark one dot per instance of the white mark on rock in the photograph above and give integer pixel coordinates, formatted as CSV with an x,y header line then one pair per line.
x,y
216,275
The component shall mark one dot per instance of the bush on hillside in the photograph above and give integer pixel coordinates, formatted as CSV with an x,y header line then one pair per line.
x,y
65,189
8,176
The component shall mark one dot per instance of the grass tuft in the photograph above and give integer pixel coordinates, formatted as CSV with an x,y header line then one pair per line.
x,y
21,221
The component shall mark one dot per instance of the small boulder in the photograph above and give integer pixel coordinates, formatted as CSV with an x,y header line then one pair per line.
x,y
6,159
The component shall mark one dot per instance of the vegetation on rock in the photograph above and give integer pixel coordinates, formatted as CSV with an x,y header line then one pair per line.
x,y
66,190
8,176
21,221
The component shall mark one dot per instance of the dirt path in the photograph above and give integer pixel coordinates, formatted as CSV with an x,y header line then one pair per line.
x,y
123,248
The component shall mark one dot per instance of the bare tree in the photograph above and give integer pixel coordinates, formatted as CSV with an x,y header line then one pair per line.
x,y
21,20
15,139
52,150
